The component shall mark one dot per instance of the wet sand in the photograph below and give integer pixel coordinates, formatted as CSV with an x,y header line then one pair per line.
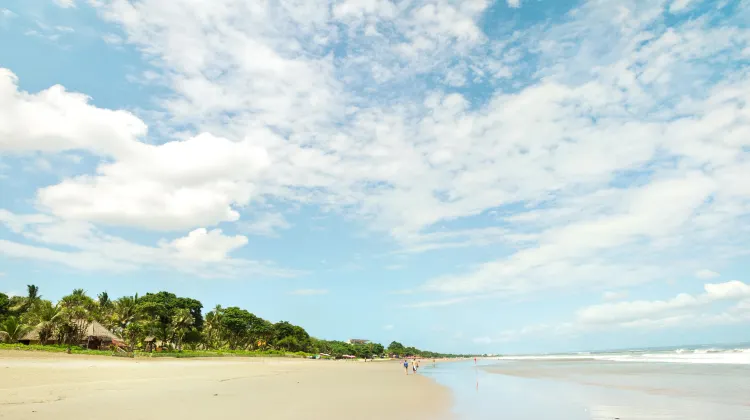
x,y
596,390
42,385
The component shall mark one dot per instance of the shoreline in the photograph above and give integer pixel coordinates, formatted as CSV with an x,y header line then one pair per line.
x,y
37,385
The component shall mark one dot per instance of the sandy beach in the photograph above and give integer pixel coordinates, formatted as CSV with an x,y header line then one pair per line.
x,y
41,385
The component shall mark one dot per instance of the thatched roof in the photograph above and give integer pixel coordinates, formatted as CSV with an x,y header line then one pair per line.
x,y
94,329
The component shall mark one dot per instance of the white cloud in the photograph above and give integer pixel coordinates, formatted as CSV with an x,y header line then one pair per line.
x,y
266,224
309,292
638,311
65,4
82,246
207,246
6,13
70,122
620,150
177,185
682,311
705,274
514,3
679,6
388,327
433,303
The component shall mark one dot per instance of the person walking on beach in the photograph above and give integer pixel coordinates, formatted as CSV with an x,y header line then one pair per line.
x,y
417,368
413,366
406,366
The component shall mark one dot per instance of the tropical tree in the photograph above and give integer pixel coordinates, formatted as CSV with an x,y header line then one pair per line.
x,y
32,294
4,305
396,348
125,311
45,318
284,329
22,304
11,330
261,332
236,324
213,331
182,321
161,307
134,333
76,313
288,343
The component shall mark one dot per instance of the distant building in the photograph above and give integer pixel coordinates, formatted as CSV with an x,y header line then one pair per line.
x,y
357,341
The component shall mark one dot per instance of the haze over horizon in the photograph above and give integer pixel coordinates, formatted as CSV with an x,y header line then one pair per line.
x,y
466,176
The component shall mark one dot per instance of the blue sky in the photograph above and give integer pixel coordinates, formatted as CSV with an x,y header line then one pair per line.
x,y
464,176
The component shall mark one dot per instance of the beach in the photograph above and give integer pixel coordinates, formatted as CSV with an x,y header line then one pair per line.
x,y
35,385
649,386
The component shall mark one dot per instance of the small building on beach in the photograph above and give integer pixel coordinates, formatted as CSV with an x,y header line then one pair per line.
x,y
95,337
357,341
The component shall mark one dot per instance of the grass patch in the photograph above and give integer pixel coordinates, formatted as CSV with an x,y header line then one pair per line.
x,y
54,348
223,353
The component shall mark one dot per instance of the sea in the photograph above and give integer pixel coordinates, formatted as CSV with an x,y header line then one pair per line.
x,y
701,382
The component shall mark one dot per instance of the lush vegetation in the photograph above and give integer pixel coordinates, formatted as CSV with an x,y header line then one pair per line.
x,y
173,325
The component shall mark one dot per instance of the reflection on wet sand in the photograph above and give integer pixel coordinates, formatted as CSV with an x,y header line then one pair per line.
x,y
593,389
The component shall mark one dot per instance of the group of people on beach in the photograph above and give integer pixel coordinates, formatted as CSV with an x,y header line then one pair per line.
x,y
414,365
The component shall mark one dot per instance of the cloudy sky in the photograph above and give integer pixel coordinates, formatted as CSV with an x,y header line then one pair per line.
x,y
459,175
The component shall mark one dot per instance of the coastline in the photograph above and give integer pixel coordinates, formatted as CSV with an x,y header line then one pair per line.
x,y
582,389
46,385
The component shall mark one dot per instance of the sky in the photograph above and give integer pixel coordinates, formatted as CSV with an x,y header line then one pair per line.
x,y
457,175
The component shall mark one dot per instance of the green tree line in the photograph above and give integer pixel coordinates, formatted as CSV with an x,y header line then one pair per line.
x,y
175,322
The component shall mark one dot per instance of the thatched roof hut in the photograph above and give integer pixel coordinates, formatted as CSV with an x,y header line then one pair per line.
x,y
94,331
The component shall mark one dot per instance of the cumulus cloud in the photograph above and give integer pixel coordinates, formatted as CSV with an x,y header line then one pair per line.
x,y
82,246
176,185
600,162
70,122
514,3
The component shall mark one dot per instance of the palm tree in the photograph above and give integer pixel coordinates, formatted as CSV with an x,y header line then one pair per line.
x,y
104,301
182,320
32,292
126,311
77,312
213,327
11,330
45,318
32,295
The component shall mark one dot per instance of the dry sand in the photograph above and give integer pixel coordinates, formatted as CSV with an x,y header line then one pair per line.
x,y
62,387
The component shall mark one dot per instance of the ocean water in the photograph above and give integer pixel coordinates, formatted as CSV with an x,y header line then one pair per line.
x,y
691,383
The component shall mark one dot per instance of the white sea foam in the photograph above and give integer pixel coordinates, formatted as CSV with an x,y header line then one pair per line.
x,y
740,356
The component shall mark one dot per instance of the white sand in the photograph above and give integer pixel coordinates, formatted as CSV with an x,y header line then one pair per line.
x,y
59,386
